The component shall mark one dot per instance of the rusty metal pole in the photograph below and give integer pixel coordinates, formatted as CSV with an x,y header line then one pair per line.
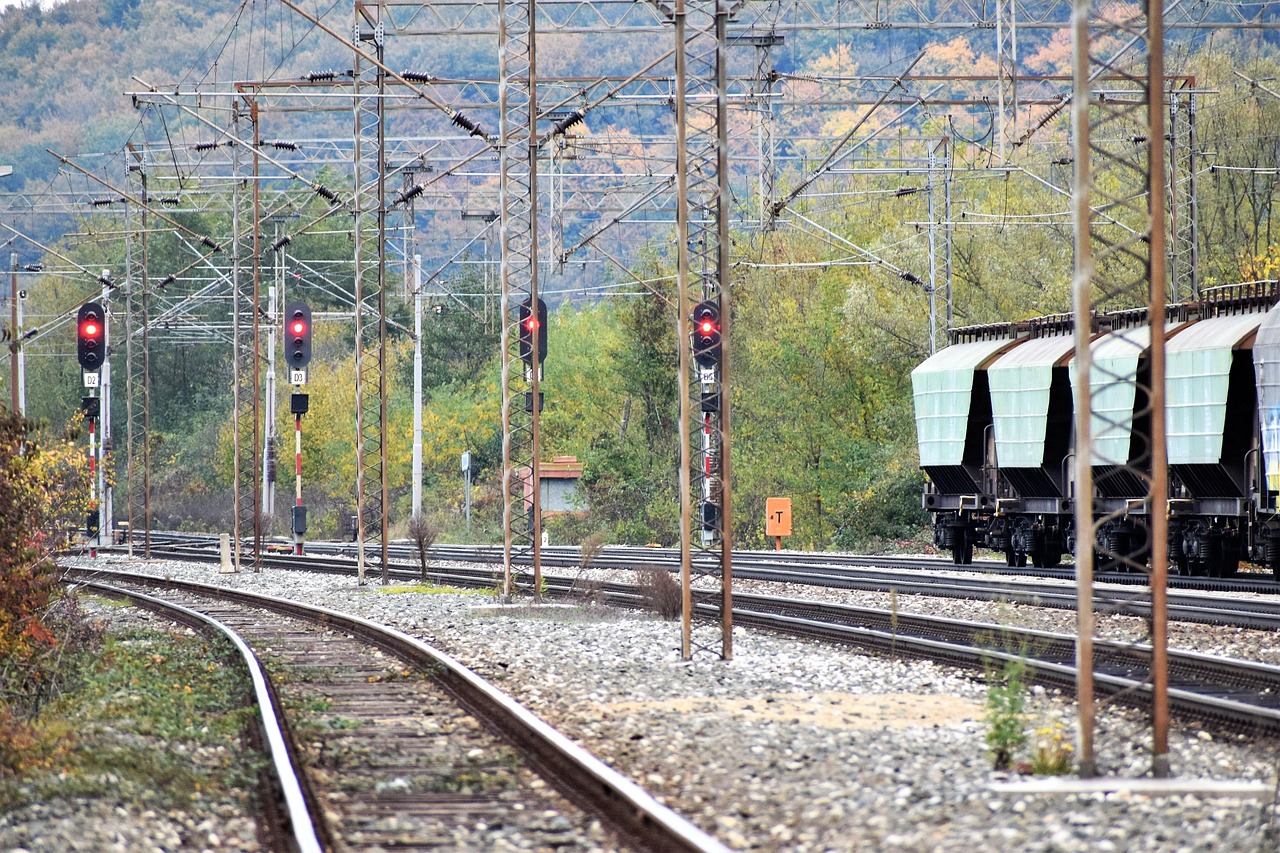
x,y
535,379
1159,452
683,306
1080,292
722,276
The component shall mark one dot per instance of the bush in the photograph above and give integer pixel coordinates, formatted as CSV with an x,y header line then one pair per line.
x,y
660,592
423,533
43,500
884,507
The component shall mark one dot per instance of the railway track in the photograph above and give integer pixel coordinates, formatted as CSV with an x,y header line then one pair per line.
x,y
901,576
391,762
287,818
1238,694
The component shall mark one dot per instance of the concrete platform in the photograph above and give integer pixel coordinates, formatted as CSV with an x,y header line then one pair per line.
x,y
1173,787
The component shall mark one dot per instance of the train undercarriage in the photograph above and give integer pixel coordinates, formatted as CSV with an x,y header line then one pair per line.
x,y
1198,545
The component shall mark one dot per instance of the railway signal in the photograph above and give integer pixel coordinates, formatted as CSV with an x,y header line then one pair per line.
x,y
298,334
91,333
533,323
706,333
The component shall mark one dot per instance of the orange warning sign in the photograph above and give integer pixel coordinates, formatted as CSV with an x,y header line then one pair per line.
x,y
777,517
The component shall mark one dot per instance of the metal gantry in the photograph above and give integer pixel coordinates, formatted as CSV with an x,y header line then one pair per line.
x,y
246,310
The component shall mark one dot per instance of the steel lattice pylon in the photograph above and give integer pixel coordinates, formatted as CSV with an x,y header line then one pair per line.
x,y
370,296
1184,253
703,276
137,356
517,95
247,380
1119,215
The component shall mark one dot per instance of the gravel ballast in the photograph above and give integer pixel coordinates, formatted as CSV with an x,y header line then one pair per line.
x,y
799,746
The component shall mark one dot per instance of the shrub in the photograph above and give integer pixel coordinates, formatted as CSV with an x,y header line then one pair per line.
x,y
1006,712
423,533
660,591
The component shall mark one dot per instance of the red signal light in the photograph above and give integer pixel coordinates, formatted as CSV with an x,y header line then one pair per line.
x,y
707,327
89,330
531,324
299,327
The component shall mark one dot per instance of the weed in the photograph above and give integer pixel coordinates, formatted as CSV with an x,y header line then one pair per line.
x,y
589,590
1006,711
110,733
423,533
429,589
1050,751
660,591
592,545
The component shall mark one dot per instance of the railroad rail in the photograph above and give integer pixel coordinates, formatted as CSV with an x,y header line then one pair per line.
x,y
1239,694
289,821
900,575
578,775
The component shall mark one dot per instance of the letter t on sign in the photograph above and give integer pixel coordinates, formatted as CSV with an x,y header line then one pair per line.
x,y
777,521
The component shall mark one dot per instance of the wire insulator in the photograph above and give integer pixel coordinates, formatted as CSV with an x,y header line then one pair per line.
x,y
467,124
410,194
281,145
324,192
281,243
208,243
207,146
419,77
568,121
166,281
320,76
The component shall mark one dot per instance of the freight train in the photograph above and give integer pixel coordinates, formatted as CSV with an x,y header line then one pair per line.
x,y
995,424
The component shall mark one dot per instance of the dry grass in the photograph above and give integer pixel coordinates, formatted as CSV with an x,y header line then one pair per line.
x,y
661,592
423,532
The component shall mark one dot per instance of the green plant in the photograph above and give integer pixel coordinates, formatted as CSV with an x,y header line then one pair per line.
x,y
1051,754
1006,711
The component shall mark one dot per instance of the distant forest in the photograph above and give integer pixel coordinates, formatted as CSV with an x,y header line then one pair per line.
x,y
827,323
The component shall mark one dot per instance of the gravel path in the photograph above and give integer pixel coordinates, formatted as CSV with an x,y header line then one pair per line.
x,y
797,746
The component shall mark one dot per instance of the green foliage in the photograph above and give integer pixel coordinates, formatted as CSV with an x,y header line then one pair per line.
x,y
1006,711
1051,753
883,505
113,736
43,498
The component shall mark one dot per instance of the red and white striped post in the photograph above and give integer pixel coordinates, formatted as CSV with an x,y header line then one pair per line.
x,y
297,476
298,406
93,536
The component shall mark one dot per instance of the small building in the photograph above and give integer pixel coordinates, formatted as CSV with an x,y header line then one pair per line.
x,y
559,492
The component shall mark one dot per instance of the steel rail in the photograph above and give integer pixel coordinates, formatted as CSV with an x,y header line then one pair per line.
x,y
301,827
968,644
1259,615
572,770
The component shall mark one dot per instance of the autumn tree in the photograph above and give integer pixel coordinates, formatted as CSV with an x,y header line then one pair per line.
x,y
43,498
